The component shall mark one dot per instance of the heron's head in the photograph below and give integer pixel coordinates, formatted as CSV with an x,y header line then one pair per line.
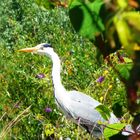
x,y
41,49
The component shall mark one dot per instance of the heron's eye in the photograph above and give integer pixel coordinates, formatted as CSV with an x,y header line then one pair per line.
x,y
47,45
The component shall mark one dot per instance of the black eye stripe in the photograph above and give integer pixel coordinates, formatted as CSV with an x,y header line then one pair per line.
x,y
47,45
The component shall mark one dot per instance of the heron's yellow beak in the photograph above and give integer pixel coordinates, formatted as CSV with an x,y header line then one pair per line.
x,y
33,49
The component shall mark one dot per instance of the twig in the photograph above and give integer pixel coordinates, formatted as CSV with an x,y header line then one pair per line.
x,y
13,122
3,116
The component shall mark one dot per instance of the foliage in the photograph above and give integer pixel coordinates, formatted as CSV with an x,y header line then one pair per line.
x,y
87,22
27,23
113,129
104,111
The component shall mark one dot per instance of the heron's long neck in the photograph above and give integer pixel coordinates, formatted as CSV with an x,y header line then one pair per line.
x,y
56,69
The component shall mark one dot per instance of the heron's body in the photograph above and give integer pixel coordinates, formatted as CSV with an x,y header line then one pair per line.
x,y
76,105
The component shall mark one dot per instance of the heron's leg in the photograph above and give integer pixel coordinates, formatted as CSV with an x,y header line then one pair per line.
x,y
79,119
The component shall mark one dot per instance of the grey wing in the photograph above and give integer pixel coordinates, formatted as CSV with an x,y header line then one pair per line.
x,y
83,106
83,98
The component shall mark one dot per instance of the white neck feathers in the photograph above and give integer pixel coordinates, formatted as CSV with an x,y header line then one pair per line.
x,y
56,70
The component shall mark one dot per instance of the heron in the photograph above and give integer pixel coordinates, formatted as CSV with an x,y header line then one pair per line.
x,y
76,105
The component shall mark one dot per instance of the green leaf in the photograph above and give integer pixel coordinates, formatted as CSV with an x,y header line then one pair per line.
x,y
113,129
84,16
123,31
133,19
122,3
127,60
128,29
104,111
124,69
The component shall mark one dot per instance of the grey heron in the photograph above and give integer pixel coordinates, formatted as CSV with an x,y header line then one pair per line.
x,y
76,105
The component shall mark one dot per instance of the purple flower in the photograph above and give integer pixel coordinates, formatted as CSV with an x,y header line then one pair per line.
x,y
100,79
17,105
40,76
48,110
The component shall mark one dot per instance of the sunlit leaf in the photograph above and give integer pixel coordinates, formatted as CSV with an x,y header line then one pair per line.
x,y
127,60
128,29
113,129
123,31
122,3
133,19
104,111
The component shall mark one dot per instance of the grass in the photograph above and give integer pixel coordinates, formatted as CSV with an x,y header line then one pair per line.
x,y
24,97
